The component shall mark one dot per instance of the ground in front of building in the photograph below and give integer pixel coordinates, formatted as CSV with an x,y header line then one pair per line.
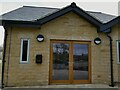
x,y
66,87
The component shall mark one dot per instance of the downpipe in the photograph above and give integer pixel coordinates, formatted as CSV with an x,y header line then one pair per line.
x,y
3,61
111,61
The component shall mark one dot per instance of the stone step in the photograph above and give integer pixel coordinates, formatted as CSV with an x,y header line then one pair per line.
x,y
60,89
65,87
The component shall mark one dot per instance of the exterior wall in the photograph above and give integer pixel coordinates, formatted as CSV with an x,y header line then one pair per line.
x,y
67,27
119,39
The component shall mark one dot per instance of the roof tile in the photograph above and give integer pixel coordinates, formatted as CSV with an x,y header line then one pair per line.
x,y
30,13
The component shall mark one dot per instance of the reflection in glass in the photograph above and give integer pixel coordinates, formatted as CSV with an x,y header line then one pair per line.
x,y
60,66
80,59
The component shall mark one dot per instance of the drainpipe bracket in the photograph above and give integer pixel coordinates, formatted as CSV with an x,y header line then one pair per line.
x,y
112,85
2,85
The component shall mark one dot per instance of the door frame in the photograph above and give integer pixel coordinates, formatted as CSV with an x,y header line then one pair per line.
x,y
70,81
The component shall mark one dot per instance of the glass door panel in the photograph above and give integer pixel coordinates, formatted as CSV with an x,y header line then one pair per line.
x,y
60,66
70,62
80,61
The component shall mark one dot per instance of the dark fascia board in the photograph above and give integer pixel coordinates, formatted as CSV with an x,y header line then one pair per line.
x,y
19,23
39,22
54,15
110,24
71,8
86,16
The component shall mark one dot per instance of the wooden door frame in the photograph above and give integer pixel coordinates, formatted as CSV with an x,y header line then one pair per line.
x,y
70,81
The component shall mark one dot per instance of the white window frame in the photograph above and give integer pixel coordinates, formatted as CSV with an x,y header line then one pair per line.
x,y
22,51
118,58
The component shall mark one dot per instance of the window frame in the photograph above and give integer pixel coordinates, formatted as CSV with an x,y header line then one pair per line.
x,y
21,51
118,57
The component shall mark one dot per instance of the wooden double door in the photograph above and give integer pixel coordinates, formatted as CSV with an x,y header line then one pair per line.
x,y
70,62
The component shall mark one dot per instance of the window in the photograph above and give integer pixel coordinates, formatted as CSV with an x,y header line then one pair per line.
x,y
118,51
24,51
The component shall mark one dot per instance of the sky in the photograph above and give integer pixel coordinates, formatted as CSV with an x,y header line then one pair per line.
x,y
105,6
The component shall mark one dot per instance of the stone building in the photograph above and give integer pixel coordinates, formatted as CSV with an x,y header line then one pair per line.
x,y
46,46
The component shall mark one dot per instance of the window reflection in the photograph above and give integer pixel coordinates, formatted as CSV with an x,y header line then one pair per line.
x,y
80,59
60,61
79,62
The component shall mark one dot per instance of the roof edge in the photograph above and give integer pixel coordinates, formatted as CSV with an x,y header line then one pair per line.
x,y
74,8
19,23
111,23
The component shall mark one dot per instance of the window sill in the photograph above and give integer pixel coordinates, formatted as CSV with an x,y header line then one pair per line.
x,y
23,62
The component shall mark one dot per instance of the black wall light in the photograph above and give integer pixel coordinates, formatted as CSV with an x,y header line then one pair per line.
x,y
40,38
97,41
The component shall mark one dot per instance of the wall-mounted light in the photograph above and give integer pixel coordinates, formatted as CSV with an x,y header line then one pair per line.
x,y
40,38
97,41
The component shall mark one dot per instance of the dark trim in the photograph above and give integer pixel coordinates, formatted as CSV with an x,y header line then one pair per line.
x,y
39,22
4,53
19,23
71,8
86,16
54,15
108,30
109,24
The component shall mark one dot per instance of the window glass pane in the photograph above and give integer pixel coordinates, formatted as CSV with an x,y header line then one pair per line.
x,y
60,61
24,50
80,62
